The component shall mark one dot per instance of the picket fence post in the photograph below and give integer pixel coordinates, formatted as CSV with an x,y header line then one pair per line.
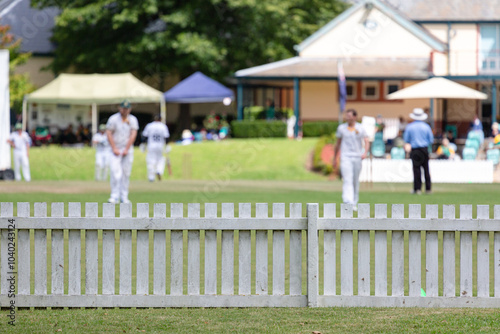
x,y
312,255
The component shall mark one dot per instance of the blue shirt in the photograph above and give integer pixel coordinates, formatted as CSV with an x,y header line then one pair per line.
x,y
418,134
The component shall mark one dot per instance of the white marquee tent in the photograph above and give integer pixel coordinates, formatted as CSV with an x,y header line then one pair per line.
x,y
94,90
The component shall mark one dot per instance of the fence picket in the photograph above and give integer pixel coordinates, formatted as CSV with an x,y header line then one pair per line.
x,y
125,285
142,249
176,253
74,252
415,254
40,252
193,253
364,261
91,250
295,253
6,210
261,253
346,254
398,253
227,277
483,255
431,255
57,237
210,252
496,252
108,252
329,253
245,253
466,254
24,259
278,253
449,255
312,255
381,254
159,253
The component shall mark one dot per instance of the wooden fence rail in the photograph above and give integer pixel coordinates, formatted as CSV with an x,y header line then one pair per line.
x,y
252,260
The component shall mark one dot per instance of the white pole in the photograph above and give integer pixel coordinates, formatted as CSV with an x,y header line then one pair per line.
x,y
25,111
5,162
94,118
163,110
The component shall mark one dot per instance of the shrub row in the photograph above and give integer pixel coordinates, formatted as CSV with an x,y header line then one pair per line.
x,y
258,129
317,129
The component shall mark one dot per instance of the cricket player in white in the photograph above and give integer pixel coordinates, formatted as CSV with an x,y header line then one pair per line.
x,y
20,141
102,153
156,132
350,138
121,132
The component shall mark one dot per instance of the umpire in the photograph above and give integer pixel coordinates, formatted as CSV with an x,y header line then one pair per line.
x,y
419,135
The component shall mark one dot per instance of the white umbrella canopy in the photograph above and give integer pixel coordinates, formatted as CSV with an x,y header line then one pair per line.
x,y
437,88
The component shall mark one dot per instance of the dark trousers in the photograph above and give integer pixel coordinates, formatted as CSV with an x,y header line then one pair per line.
x,y
420,158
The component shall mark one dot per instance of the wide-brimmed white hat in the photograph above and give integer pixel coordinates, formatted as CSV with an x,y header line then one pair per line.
x,y
418,114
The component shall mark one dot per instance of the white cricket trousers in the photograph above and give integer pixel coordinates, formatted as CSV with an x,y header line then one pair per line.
x,y
120,169
102,165
155,162
21,161
350,169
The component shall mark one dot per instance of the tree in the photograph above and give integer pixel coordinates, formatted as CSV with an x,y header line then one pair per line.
x,y
19,84
153,37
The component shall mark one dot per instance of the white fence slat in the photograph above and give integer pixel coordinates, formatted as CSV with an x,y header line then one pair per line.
x,y
312,255
346,255
159,253
108,252
496,257
261,253
125,285
380,254
449,255
483,255
142,249
176,253
227,275
295,253
278,253
466,255
24,249
74,252
398,254
364,258
193,253
91,253
40,252
245,253
210,252
415,254
431,255
7,210
329,253
57,237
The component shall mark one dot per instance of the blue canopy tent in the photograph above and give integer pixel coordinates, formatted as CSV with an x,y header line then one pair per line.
x,y
197,88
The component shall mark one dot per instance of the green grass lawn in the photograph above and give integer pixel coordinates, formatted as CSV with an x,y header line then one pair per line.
x,y
276,174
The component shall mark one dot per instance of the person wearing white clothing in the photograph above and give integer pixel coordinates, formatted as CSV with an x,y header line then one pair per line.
x,y
156,133
121,131
20,141
102,153
350,138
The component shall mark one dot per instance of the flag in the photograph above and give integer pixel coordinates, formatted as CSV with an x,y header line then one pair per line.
x,y
342,87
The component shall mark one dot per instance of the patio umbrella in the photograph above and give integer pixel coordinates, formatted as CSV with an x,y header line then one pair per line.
x,y
437,88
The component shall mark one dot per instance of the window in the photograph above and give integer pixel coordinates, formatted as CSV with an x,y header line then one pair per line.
x,y
370,91
351,90
391,87
489,48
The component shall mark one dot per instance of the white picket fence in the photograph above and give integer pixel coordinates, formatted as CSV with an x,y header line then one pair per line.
x,y
277,259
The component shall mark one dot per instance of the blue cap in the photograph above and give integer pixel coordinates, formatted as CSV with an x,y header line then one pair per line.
x,y
125,104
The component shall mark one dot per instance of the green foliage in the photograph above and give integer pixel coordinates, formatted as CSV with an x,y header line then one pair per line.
x,y
258,129
316,129
152,37
253,113
318,164
19,84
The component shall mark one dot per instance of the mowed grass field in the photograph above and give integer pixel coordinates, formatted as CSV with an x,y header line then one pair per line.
x,y
277,177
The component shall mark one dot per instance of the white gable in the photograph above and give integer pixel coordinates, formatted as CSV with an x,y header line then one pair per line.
x,y
367,33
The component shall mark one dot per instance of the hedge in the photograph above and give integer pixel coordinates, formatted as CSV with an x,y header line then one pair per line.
x,y
258,129
317,129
